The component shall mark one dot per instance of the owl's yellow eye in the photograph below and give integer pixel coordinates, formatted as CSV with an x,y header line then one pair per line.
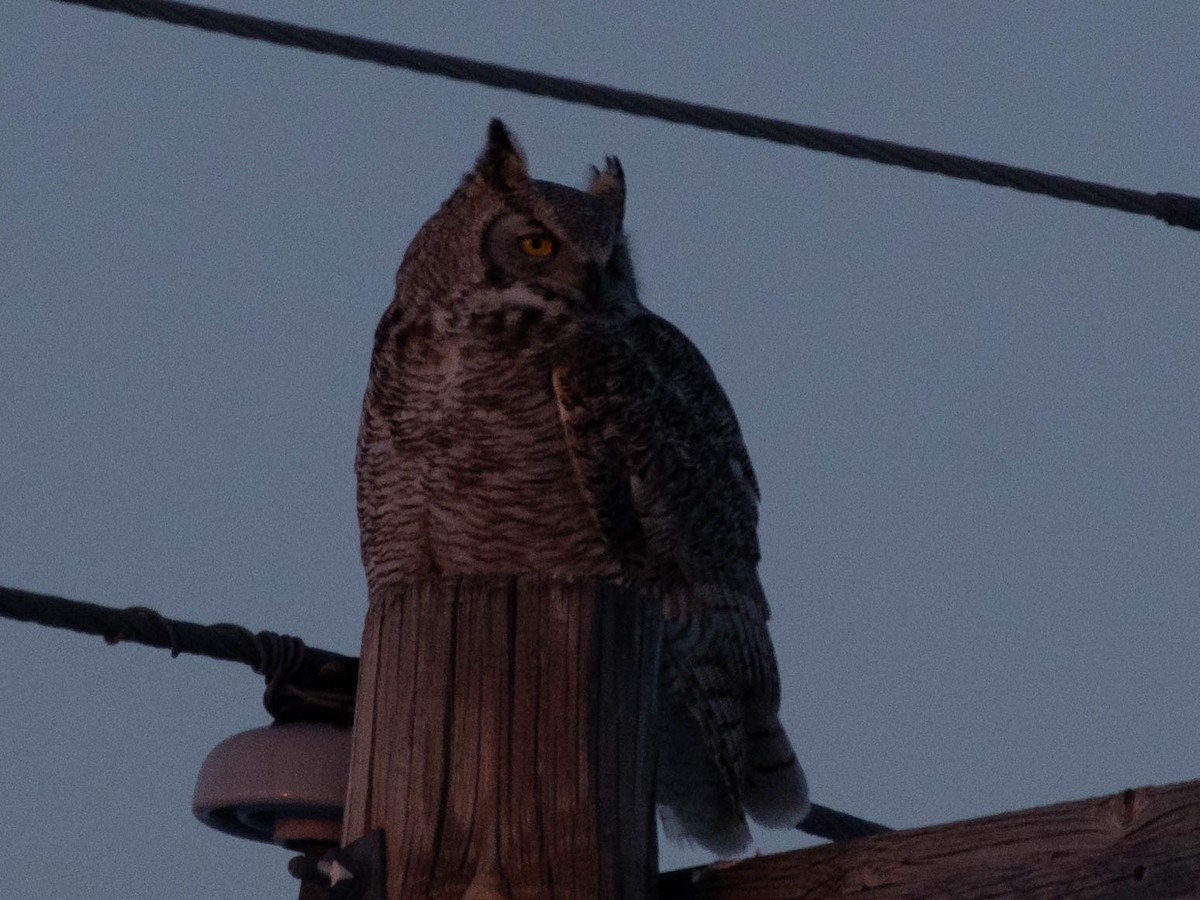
x,y
539,245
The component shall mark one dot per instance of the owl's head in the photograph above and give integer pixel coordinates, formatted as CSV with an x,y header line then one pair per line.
x,y
504,238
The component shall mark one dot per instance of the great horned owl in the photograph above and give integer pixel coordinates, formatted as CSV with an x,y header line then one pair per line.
x,y
525,413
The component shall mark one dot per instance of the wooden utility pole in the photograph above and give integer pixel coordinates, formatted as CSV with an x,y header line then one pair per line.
x,y
504,738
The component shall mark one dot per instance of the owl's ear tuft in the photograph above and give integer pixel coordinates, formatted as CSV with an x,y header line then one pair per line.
x,y
609,185
501,164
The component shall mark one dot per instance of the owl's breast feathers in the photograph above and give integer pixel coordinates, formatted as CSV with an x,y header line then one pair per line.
x,y
462,466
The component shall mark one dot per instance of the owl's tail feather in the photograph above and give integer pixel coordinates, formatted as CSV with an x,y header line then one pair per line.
x,y
776,793
694,799
722,750
729,842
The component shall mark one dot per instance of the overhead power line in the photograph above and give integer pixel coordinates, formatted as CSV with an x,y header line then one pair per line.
x,y
303,683
1174,209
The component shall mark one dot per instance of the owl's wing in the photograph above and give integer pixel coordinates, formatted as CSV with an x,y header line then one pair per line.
x,y
660,458
658,453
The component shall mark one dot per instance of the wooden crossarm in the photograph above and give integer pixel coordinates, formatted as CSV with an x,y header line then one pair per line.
x,y
1142,843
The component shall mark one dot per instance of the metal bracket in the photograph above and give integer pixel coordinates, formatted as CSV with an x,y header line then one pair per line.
x,y
357,871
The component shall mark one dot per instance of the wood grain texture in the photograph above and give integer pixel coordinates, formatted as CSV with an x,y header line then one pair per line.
x,y
504,738
1142,843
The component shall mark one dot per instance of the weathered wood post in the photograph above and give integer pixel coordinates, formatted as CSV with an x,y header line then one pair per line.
x,y
504,738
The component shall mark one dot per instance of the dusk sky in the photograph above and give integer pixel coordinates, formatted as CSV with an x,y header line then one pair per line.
x,y
974,413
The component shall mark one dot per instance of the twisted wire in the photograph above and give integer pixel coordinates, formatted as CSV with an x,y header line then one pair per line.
x,y
1174,209
297,676
148,620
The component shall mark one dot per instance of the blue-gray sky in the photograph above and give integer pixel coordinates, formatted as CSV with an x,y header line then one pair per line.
x,y
974,413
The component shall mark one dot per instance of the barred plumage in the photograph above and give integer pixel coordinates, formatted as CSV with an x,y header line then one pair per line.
x,y
525,413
